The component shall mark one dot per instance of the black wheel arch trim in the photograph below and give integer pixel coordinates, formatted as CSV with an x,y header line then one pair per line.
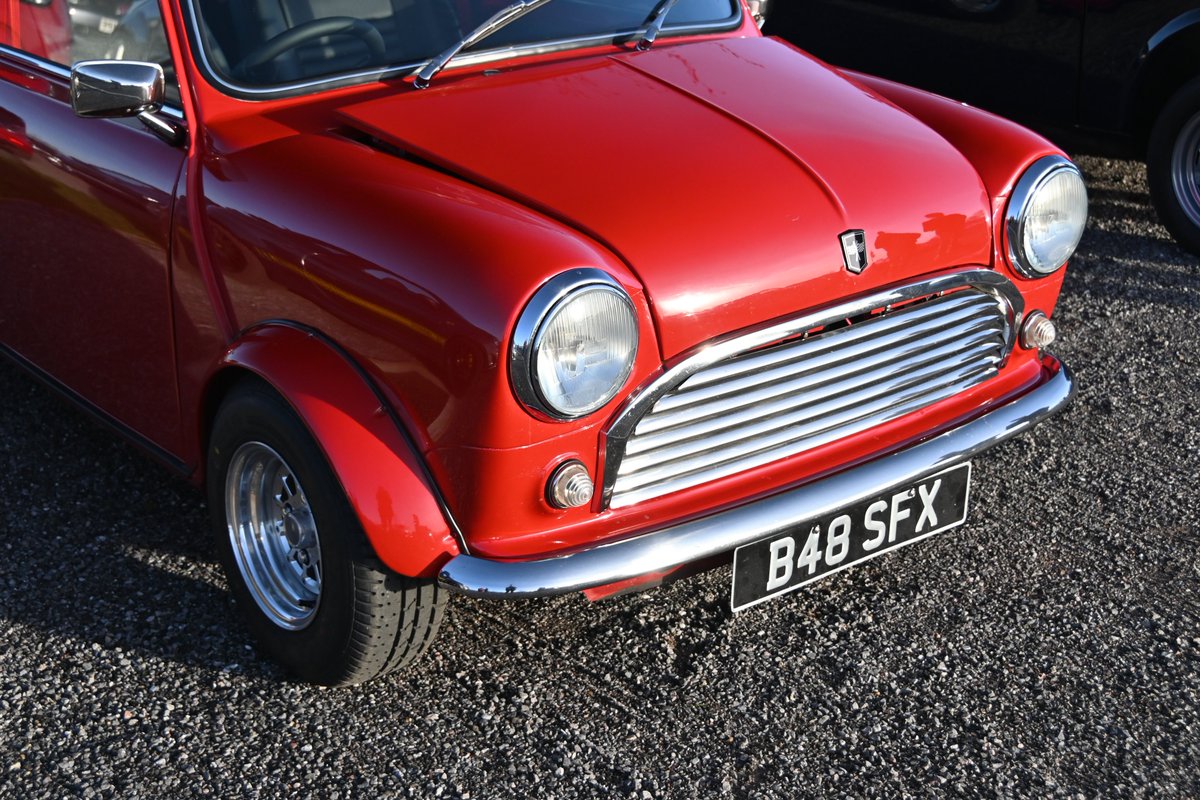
x,y
384,404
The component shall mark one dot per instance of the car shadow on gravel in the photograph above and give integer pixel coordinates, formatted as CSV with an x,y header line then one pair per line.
x,y
1122,222
101,547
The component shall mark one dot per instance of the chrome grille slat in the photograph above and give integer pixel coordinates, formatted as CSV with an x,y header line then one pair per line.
x,y
835,347
841,411
730,409
799,395
687,480
945,310
741,392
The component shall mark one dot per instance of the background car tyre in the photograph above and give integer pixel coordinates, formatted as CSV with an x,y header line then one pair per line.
x,y
305,579
1173,163
977,9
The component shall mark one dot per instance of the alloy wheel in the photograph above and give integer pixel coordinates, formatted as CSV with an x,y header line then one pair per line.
x,y
274,535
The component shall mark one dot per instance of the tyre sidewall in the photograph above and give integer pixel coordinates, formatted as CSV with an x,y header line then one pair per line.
x,y
1179,110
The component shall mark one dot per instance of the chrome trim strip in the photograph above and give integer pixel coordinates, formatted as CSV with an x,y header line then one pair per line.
x,y
642,401
724,531
48,66
404,70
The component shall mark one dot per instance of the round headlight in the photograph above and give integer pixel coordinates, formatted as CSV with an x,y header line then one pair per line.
x,y
574,344
1046,216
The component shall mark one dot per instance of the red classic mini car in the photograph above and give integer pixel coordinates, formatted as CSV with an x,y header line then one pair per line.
x,y
444,297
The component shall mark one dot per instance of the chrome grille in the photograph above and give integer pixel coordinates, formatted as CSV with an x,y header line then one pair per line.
x,y
751,408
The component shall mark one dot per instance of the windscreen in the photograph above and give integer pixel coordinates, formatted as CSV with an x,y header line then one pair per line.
x,y
281,43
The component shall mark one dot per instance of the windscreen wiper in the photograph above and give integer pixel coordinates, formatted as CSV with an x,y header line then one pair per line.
x,y
654,23
500,19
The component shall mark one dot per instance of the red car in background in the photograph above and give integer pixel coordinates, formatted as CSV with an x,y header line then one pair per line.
x,y
437,299
40,27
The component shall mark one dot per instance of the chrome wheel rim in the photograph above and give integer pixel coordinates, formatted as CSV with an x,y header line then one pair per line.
x,y
274,535
1185,169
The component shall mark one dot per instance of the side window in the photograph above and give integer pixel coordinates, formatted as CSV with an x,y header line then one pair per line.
x,y
66,31
125,31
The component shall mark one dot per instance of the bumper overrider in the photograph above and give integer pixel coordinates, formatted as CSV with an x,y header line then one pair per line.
x,y
675,545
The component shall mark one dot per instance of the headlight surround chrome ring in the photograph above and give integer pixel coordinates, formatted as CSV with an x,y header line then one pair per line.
x,y
533,377
1046,174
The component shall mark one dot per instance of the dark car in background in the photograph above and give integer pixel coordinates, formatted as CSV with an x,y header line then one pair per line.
x,y
140,37
97,16
39,26
1123,73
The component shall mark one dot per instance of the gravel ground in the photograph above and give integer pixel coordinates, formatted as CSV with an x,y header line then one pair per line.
x,y
1050,647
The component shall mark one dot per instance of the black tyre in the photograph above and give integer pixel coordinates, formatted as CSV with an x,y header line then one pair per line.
x,y
1173,162
310,588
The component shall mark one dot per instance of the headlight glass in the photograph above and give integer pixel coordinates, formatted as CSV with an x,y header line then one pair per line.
x,y
1046,216
574,345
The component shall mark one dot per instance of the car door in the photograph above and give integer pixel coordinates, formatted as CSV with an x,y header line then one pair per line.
x,y
85,218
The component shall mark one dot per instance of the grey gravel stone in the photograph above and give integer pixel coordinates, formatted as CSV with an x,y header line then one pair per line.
x,y
1049,648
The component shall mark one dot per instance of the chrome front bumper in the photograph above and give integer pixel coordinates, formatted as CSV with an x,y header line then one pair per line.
x,y
669,547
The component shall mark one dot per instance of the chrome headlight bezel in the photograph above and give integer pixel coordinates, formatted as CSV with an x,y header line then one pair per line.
x,y
528,336
1034,180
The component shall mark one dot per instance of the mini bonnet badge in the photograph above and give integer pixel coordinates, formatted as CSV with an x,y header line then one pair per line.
x,y
854,250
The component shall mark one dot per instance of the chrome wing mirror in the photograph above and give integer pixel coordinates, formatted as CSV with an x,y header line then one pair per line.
x,y
123,89
116,88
